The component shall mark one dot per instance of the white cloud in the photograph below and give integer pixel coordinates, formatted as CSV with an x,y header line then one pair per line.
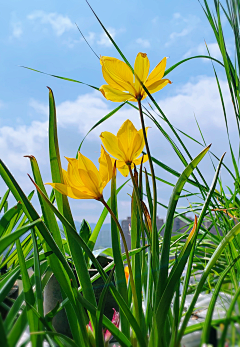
x,y
85,111
177,15
201,98
59,23
104,40
182,33
17,30
15,142
39,107
155,20
143,43
184,26
202,50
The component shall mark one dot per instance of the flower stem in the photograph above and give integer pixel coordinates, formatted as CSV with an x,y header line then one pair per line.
x,y
155,248
134,293
138,203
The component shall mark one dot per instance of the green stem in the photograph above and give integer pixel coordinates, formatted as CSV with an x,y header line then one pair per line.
x,y
134,293
138,202
155,249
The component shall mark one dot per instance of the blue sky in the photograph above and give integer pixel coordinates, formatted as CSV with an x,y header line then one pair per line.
x,y
43,35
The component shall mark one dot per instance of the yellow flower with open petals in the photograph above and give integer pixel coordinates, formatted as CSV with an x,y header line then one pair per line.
x,y
83,180
126,147
123,85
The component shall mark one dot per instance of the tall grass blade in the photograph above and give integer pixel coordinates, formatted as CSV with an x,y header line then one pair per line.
x,y
164,261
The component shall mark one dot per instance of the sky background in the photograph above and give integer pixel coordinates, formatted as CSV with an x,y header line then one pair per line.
x,y
42,35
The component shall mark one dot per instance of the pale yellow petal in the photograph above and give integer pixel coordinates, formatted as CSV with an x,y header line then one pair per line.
x,y
139,160
115,95
120,164
65,177
105,167
138,144
117,74
71,192
122,167
92,182
157,73
126,135
112,145
124,170
86,164
141,70
74,179
155,87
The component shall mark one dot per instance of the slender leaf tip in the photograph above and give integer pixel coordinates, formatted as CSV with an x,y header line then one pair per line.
x,y
31,157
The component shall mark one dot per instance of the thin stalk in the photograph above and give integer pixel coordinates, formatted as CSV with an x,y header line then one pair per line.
x,y
155,248
138,202
134,293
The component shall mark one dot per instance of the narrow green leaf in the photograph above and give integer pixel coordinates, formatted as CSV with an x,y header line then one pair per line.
x,y
163,274
9,239
67,341
48,215
101,219
7,283
4,199
63,205
3,337
190,58
229,318
85,231
100,309
63,78
6,218
110,114
208,319
116,249
38,282
115,293
28,294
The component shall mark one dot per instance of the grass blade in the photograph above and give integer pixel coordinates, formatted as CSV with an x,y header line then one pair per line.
x,y
163,274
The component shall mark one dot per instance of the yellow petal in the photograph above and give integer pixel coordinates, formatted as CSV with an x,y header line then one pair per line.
x,y
115,95
155,87
139,160
141,70
124,170
112,145
157,73
73,177
71,192
138,144
65,177
105,167
87,165
92,182
122,167
126,135
117,74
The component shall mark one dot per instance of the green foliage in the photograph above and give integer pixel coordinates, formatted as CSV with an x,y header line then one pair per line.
x,y
151,304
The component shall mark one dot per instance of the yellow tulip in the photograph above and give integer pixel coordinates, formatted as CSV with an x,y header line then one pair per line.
x,y
83,180
126,147
123,85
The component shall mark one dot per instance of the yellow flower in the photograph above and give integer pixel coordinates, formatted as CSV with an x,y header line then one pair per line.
x,y
126,271
82,180
123,85
126,146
